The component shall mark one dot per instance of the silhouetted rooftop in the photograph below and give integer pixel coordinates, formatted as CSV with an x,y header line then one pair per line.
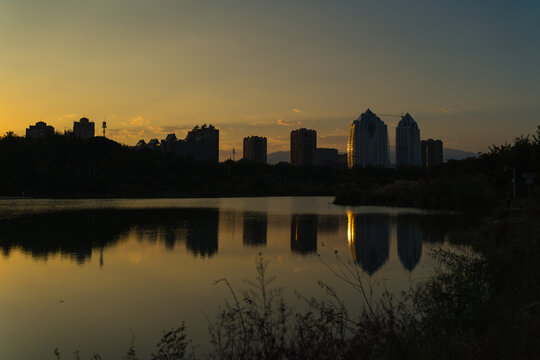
x,y
369,116
407,121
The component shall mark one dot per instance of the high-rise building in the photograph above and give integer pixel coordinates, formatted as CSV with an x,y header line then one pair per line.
x,y
303,145
432,152
39,131
203,143
368,142
408,142
255,149
167,144
325,157
153,144
200,144
84,128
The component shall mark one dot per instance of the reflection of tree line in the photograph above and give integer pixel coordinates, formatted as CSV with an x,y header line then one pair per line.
x,y
78,234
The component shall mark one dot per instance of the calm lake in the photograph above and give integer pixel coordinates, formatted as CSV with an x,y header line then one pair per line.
x,y
89,275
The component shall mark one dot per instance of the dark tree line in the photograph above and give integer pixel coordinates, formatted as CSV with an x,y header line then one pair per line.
x,y
65,166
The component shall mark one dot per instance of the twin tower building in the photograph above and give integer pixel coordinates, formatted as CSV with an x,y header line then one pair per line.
x,y
368,142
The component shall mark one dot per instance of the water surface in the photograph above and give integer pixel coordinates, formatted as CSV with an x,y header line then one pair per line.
x,y
87,274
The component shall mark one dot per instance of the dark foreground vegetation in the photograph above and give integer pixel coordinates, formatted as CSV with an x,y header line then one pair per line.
x,y
64,166
482,303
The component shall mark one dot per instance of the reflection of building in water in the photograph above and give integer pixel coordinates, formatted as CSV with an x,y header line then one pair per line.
x,y
409,238
328,224
255,229
304,233
202,232
369,240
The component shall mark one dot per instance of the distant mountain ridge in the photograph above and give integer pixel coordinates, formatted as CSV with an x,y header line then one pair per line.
x,y
448,154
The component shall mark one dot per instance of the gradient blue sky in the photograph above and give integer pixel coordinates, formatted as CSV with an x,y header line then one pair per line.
x,y
467,71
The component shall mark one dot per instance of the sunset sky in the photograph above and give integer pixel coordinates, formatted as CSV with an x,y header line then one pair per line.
x,y
467,71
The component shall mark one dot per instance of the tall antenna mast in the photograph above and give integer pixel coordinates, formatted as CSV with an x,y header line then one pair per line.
x,y
104,127
233,153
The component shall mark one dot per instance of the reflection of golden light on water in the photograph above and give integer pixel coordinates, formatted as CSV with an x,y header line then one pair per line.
x,y
135,257
350,227
350,233
296,232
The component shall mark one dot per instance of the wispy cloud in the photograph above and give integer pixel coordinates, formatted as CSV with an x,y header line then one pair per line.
x,y
279,121
333,141
445,110
68,116
279,143
127,134
263,122
139,121
336,132
296,110
284,122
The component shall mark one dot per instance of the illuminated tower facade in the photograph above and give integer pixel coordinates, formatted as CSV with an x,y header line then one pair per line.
x,y
368,142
